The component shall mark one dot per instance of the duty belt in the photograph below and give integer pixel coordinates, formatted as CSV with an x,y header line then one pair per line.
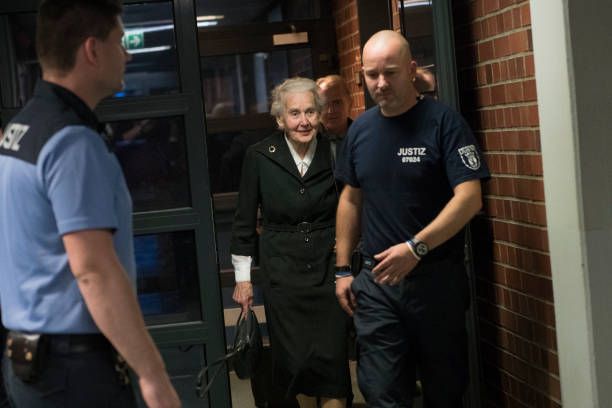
x,y
303,227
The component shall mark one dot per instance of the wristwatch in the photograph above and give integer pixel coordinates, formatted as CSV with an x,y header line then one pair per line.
x,y
420,248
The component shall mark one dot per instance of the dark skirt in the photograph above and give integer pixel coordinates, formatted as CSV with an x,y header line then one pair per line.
x,y
308,336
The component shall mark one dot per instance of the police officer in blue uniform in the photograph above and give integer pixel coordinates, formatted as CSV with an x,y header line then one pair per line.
x,y
412,172
67,275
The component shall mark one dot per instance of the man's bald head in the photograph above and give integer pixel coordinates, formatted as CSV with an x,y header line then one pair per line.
x,y
386,39
390,72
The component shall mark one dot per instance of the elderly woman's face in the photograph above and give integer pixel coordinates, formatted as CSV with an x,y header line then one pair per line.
x,y
300,118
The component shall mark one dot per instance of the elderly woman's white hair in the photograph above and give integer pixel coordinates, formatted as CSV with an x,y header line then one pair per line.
x,y
292,85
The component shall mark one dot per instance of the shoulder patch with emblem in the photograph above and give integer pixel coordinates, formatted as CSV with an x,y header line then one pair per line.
x,y
469,157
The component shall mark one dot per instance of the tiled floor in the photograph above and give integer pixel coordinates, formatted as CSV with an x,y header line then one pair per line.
x,y
242,397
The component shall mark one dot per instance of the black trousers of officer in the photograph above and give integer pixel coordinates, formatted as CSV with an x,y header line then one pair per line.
x,y
418,324
70,380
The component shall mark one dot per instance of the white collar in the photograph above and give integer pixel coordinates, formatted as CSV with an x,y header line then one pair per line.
x,y
303,164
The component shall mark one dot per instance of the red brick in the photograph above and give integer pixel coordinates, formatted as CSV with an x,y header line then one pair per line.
x,y
473,32
516,120
502,47
500,120
529,65
495,72
492,28
520,67
528,140
476,9
503,67
507,19
490,6
511,69
529,115
519,42
498,94
513,277
481,75
537,286
530,90
516,18
525,14
493,141
514,92
523,258
485,51
483,96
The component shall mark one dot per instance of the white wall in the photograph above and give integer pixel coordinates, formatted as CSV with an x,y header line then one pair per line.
x,y
573,56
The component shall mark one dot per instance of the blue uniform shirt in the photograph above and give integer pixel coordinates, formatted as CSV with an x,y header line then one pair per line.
x,y
57,176
406,167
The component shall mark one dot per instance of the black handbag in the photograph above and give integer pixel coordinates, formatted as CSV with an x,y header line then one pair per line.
x,y
244,356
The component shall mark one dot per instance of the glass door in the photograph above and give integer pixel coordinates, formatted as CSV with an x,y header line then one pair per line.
x,y
247,48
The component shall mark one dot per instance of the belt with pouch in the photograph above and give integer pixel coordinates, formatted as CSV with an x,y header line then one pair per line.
x,y
56,343
28,351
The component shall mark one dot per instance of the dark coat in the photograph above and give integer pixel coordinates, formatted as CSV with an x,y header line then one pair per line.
x,y
271,179
308,329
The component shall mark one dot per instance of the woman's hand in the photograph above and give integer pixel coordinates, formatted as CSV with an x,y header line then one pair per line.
x,y
243,294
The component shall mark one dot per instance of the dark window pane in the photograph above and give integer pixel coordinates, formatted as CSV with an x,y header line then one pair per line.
x,y
240,84
419,31
149,31
153,156
225,155
167,282
24,69
223,12
149,37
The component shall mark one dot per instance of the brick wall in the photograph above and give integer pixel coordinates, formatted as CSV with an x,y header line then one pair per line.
x,y
349,53
514,286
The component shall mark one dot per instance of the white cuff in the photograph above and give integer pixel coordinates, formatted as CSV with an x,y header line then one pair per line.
x,y
242,267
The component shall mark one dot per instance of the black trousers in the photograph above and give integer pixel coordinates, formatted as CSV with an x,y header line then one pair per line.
x,y
419,324
84,379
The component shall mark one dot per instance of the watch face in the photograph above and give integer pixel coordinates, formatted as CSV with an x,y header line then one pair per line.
x,y
421,249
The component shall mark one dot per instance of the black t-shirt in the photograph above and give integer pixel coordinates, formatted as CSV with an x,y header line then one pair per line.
x,y
406,167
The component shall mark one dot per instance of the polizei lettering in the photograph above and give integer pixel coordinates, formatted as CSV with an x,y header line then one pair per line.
x,y
12,136
411,154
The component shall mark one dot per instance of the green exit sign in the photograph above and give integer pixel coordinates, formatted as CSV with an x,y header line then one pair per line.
x,y
133,40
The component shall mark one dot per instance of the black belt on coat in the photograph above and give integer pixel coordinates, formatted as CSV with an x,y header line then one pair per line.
x,y
304,227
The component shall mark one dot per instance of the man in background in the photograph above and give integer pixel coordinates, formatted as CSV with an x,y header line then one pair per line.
x,y
336,114
68,270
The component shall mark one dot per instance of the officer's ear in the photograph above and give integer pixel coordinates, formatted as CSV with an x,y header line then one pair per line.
x,y
90,50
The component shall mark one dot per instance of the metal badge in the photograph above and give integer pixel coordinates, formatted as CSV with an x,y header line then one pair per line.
x,y
271,149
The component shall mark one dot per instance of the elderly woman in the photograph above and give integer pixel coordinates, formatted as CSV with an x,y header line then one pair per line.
x,y
289,177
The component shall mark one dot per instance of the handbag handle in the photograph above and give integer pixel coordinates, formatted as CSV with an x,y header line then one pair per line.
x,y
201,392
